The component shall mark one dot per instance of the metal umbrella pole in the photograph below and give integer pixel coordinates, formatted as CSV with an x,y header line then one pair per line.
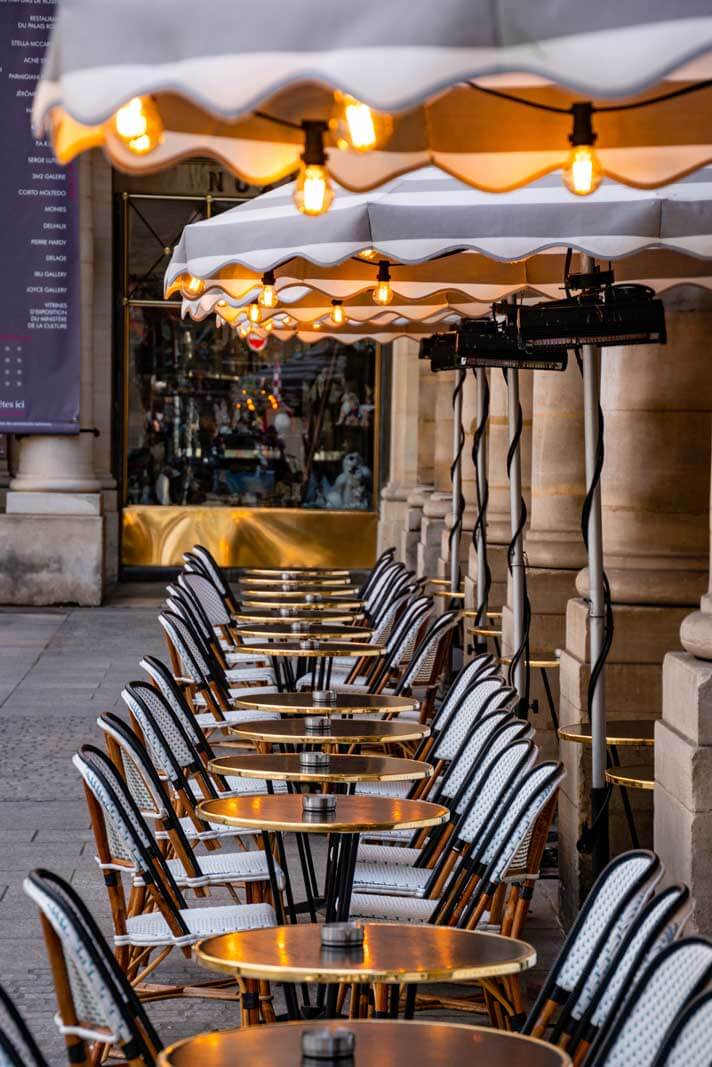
x,y
591,358
519,667
458,503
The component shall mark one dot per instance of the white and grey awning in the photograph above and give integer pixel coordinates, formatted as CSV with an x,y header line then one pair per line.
x,y
441,235
225,79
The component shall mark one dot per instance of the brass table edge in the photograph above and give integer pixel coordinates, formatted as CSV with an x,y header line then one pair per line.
x,y
617,776
319,776
301,827
414,734
255,704
619,742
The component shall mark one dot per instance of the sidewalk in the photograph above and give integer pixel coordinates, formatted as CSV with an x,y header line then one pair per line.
x,y
59,670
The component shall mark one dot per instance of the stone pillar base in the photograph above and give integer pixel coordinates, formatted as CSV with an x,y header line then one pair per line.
x,y
52,549
683,781
432,524
633,682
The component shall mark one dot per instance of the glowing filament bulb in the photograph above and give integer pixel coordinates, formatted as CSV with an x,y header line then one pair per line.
x,y
138,125
313,192
268,295
337,313
582,173
254,314
195,286
357,126
383,294
269,326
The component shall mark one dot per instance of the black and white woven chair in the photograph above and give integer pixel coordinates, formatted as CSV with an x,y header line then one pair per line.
x,y
174,752
18,1047
248,867
687,1042
96,1003
612,905
257,672
203,560
206,684
660,922
379,566
409,893
669,983
204,595
125,843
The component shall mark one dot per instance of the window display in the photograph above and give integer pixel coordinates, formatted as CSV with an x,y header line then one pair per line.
x,y
211,421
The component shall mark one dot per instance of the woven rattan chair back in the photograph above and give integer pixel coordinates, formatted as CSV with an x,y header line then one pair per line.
x,y
687,1042
96,1002
674,978
165,683
18,1047
429,657
379,566
615,900
598,1000
486,695
207,595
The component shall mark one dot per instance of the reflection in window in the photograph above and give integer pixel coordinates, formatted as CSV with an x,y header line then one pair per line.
x,y
212,422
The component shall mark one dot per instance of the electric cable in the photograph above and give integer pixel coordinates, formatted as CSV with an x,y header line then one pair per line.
x,y
479,532
455,529
523,649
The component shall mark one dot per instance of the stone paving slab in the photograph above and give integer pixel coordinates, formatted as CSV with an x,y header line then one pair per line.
x,y
58,671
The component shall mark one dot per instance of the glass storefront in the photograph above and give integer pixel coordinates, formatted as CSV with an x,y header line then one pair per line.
x,y
214,421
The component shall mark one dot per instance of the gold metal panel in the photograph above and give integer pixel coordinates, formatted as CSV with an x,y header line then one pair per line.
x,y
249,537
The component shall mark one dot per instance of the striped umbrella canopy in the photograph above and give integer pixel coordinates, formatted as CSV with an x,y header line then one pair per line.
x,y
446,246
235,82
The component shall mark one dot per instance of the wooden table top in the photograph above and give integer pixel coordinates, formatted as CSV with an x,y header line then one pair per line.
x,y
293,614
299,601
397,1043
636,777
294,646
276,573
353,814
634,733
324,630
346,704
391,952
286,767
341,731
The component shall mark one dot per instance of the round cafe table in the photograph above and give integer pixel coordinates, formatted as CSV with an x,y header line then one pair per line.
x,y
345,704
316,593
395,1043
320,654
278,813
294,614
303,602
341,770
309,581
391,954
323,631
276,574
341,732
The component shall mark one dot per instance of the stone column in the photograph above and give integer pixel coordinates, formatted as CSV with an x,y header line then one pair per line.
x,y
53,531
403,458
438,503
657,402
553,545
425,447
683,763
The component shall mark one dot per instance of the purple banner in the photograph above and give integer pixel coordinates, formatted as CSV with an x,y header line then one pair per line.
x,y
39,251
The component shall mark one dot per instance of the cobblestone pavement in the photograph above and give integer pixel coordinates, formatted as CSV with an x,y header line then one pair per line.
x,y
59,669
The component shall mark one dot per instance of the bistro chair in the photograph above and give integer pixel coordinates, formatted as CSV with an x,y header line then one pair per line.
x,y
97,1005
238,666
206,562
613,903
379,566
687,1042
415,894
125,843
659,923
205,684
18,1047
203,593
668,984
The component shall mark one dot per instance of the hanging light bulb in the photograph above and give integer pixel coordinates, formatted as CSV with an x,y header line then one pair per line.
x,y
383,294
194,286
268,296
337,313
254,314
138,125
583,172
269,326
313,191
356,125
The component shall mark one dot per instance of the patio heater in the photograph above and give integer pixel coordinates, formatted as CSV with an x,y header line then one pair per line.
x,y
600,315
